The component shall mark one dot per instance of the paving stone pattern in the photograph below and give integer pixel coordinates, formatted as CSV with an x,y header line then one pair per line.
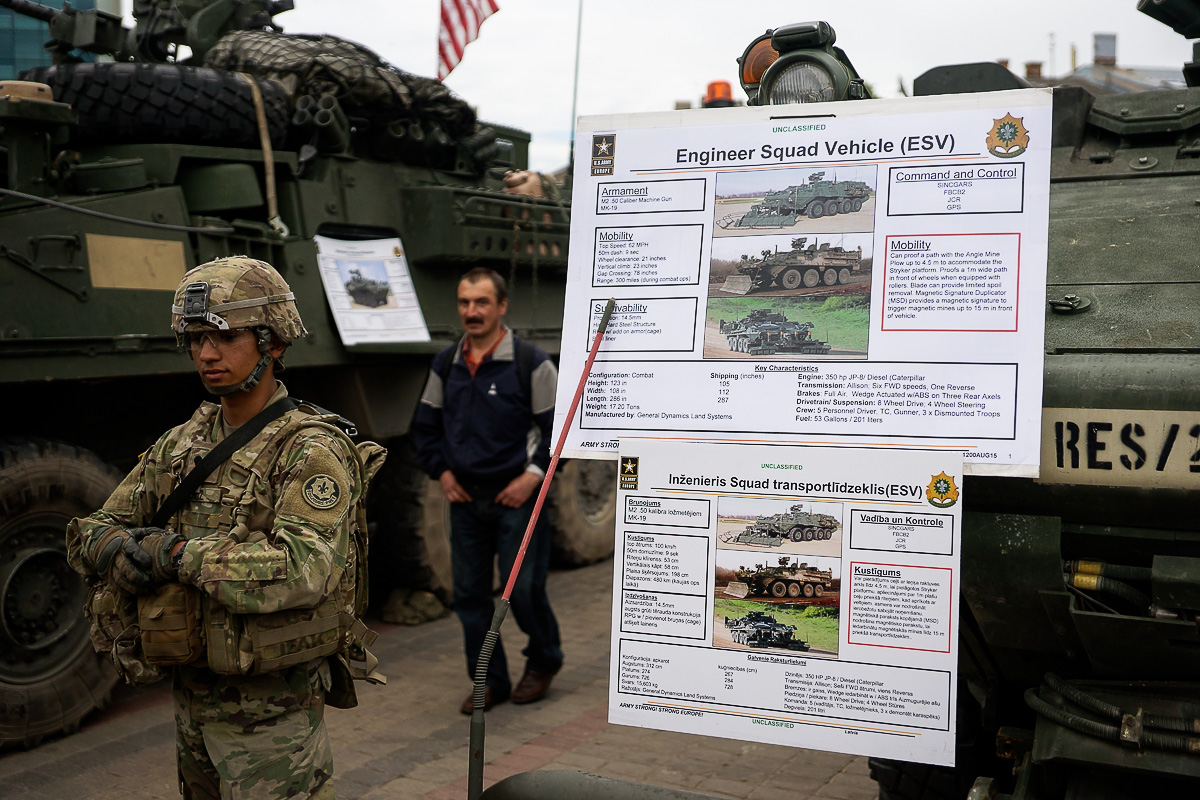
x,y
407,739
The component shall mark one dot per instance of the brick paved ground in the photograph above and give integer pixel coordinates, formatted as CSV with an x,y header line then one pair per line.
x,y
407,740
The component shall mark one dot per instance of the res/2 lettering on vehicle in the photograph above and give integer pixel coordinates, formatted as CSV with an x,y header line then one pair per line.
x,y
1121,447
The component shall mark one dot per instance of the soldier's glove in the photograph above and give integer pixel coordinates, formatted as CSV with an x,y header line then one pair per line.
x,y
156,544
118,558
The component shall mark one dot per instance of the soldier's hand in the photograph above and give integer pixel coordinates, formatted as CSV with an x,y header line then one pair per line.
x,y
156,544
453,490
117,558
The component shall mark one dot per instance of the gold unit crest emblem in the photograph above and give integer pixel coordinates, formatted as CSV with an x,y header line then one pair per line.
x,y
1008,137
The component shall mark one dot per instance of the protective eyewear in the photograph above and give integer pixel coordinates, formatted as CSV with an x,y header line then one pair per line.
x,y
220,340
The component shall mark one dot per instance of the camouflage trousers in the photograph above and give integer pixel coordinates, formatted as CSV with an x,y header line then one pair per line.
x,y
253,738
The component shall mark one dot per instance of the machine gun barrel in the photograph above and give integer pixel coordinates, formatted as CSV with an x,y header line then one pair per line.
x,y
30,9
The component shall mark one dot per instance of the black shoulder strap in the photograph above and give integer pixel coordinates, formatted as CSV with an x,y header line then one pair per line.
x,y
217,456
524,357
443,370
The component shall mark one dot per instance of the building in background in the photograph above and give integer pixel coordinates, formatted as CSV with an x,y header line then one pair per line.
x,y
22,38
1103,76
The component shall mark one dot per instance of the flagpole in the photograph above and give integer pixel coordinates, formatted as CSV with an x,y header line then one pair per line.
x,y
575,96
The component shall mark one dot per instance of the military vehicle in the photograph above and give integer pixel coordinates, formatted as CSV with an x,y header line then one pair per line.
x,y
367,292
760,629
812,266
815,198
1063,664
788,579
764,333
122,175
796,525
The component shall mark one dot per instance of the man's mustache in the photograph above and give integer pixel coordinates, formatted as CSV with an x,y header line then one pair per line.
x,y
470,320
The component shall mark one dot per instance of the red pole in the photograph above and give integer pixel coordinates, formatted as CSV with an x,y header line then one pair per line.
x,y
475,752
562,438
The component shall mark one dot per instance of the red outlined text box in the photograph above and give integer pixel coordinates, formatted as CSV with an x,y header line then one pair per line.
x,y
962,291
887,610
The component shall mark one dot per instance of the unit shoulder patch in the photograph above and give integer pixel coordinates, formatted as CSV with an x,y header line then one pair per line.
x,y
321,491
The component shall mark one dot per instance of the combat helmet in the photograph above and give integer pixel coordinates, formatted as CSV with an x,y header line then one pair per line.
x,y
233,293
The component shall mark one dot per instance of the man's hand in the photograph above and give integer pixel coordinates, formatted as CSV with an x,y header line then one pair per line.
x,y
158,544
453,490
518,490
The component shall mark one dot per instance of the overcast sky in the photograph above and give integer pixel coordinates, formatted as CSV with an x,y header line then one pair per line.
x,y
644,55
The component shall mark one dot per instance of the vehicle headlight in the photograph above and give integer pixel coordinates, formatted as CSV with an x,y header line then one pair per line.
x,y
802,82
798,64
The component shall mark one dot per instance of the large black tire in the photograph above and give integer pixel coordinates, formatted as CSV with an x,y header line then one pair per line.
x,y
582,508
50,677
410,522
137,103
974,755
901,780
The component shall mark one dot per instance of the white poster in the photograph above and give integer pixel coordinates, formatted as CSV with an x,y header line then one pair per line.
x,y
370,291
804,596
872,273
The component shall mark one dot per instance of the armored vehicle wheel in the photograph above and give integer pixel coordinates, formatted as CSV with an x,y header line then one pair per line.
x,y
582,507
847,206
844,275
796,533
410,544
830,277
818,590
812,278
816,209
778,589
131,103
831,208
793,589
791,278
50,677
858,204
809,590
808,534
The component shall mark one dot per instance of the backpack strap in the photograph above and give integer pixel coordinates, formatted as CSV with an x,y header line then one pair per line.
x,y
217,456
524,357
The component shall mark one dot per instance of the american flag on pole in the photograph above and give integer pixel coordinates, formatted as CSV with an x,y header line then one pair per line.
x,y
460,26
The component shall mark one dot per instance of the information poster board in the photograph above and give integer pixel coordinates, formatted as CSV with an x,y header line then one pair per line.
x,y
862,272
370,291
796,596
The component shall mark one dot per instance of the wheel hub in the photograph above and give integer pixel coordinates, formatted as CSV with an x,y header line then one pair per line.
x,y
35,595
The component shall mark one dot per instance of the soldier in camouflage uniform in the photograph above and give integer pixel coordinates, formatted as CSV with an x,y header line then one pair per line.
x,y
265,545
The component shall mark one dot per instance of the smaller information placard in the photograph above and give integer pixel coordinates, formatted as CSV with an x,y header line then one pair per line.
x,y
802,596
370,291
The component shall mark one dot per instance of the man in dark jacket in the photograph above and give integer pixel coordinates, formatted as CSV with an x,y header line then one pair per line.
x,y
483,432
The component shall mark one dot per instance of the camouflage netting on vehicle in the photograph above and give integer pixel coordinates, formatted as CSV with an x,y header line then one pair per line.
x,y
365,85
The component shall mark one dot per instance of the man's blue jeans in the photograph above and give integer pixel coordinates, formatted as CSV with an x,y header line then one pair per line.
x,y
480,531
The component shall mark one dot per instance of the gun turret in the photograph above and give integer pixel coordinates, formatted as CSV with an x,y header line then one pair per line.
x,y
162,27
93,31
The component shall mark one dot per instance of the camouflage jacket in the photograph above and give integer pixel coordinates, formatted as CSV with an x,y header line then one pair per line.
x,y
264,533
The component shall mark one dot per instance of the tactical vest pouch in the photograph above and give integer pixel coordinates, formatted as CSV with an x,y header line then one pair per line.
x,y
170,620
250,644
130,661
111,613
286,638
